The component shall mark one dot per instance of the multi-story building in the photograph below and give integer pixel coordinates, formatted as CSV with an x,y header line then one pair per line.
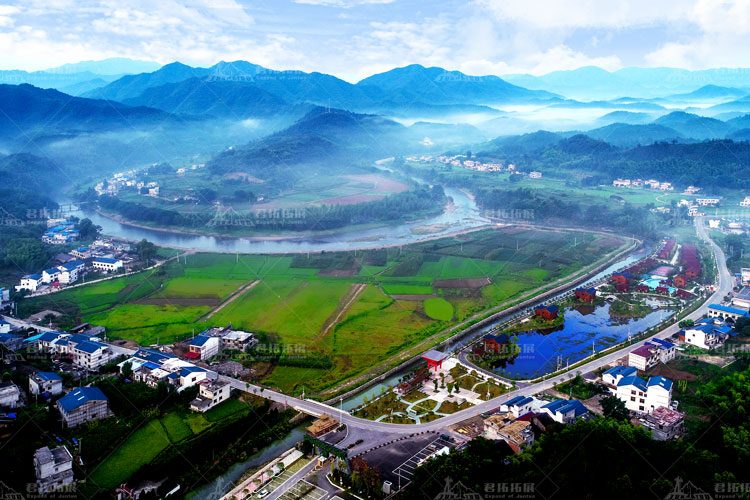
x,y
10,395
30,282
664,423
106,264
210,394
565,411
203,347
54,469
86,351
48,382
641,396
238,340
83,404
10,341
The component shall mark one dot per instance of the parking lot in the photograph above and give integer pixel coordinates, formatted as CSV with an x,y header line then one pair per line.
x,y
396,461
303,490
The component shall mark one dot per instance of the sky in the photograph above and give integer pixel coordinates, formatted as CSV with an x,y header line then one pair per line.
x,y
353,39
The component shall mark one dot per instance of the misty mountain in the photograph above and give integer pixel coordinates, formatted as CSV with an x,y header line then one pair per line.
x,y
115,66
739,105
131,86
596,83
331,139
80,88
709,92
629,135
694,126
415,83
630,104
218,98
625,117
520,144
45,80
27,110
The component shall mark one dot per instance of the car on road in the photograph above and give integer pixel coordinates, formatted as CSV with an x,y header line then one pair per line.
x,y
264,493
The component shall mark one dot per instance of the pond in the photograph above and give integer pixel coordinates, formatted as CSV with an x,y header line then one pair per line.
x,y
586,328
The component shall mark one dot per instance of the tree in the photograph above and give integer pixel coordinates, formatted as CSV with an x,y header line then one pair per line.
x,y
87,229
614,408
127,370
686,323
436,384
146,250
26,254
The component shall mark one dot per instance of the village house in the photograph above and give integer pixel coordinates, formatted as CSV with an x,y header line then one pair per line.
x,y
85,351
745,202
413,383
53,468
325,423
83,404
106,264
621,278
742,299
81,253
547,312
565,411
622,183
10,341
586,294
210,394
704,202
238,340
10,395
643,358
664,423
535,175
151,367
495,343
612,376
203,347
517,433
519,405
726,313
50,275
680,281
641,396
30,282
45,382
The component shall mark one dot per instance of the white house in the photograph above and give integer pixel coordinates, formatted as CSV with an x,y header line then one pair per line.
x,y
725,312
742,299
641,396
203,347
643,358
107,265
745,276
50,275
30,282
519,405
10,395
614,375
210,394
745,202
535,175
565,411
54,469
83,404
42,382
238,340
69,271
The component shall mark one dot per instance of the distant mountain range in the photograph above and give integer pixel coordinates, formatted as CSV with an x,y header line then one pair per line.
x,y
592,82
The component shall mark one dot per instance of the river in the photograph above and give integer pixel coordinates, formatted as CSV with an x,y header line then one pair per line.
x,y
462,215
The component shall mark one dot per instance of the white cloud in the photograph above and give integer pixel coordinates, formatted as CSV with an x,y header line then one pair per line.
x,y
720,39
342,3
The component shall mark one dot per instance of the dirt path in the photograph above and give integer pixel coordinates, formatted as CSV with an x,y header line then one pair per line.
x,y
348,300
237,293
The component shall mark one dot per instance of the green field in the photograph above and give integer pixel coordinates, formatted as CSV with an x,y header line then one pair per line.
x,y
439,309
314,304
141,448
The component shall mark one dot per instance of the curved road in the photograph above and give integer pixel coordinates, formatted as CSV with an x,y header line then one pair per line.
x,y
725,281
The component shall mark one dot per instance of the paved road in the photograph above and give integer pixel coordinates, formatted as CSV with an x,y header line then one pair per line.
x,y
725,283
289,483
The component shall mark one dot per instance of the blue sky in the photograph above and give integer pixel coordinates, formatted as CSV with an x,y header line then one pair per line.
x,y
354,38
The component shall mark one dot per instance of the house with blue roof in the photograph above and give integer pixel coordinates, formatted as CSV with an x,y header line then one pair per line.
x,y
30,283
726,312
495,343
565,411
612,376
203,347
106,264
83,404
704,335
519,405
50,275
547,312
644,396
10,341
45,382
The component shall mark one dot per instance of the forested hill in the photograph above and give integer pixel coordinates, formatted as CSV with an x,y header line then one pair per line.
x,y
720,163
332,137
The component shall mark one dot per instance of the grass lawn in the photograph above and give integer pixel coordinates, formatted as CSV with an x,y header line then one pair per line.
x,y
140,448
184,287
439,309
197,422
145,323
225,409
176,426
414,396
397,289
291,379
